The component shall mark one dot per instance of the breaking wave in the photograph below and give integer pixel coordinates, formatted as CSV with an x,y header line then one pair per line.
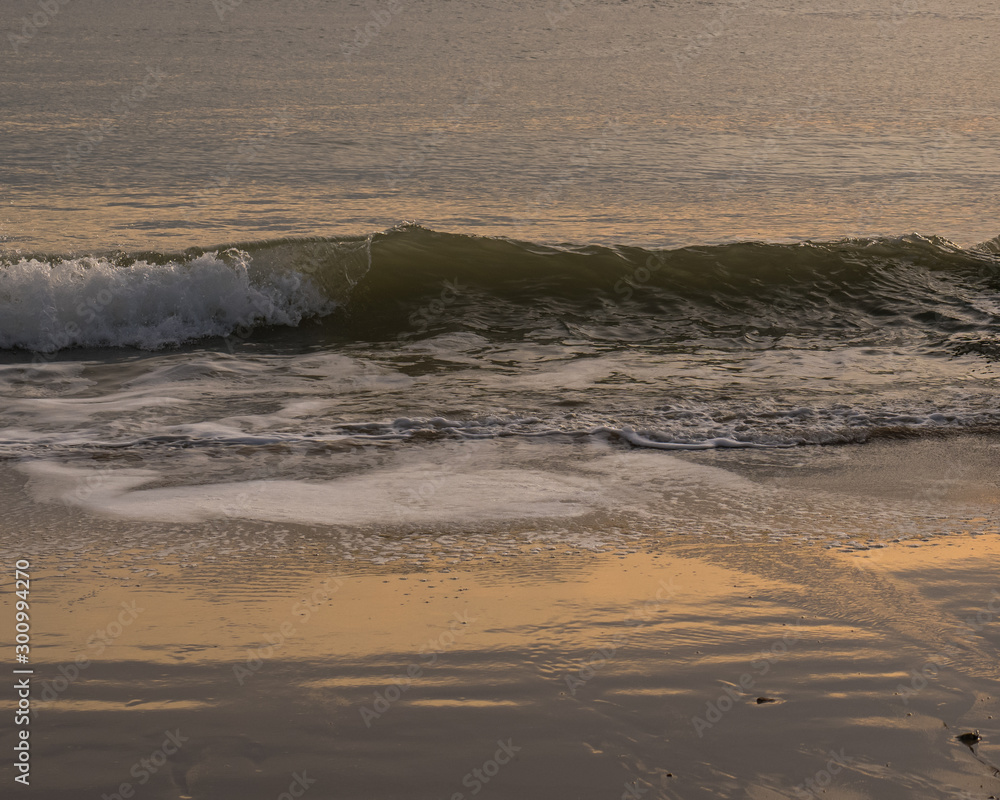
x,y
410,281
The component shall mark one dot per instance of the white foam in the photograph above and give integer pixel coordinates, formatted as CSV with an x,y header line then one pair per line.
x,y
92,302
404,494
473,485
638,440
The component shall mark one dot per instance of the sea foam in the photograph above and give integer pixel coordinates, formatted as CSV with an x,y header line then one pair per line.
x,y
92,302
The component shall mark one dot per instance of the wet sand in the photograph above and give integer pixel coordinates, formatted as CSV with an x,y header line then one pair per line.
x,y
548,672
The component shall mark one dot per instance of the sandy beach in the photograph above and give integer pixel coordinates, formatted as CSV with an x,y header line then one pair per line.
x,y
683,666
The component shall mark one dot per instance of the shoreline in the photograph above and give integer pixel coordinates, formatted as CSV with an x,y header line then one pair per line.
x,y
633,670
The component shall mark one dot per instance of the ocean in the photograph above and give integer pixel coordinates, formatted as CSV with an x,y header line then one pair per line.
x,y
421,285
388,380
625,223
603,225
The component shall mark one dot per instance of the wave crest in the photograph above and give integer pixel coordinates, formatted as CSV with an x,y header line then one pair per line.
x,y
48,304
390,283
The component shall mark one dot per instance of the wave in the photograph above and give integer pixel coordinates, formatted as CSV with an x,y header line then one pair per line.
x,y
411,281
758,430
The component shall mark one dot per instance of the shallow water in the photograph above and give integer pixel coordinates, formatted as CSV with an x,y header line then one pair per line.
x,y
600,672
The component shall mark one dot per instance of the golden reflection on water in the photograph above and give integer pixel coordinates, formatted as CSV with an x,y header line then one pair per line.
x,y
573,654
339,615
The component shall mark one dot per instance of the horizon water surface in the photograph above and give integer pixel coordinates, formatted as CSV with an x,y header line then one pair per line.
x,y
660,124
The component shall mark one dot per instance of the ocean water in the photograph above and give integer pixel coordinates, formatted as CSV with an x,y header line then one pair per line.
x,y
425,264
429,375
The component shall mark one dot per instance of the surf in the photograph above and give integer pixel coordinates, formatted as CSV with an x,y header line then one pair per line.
x,y
411,281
